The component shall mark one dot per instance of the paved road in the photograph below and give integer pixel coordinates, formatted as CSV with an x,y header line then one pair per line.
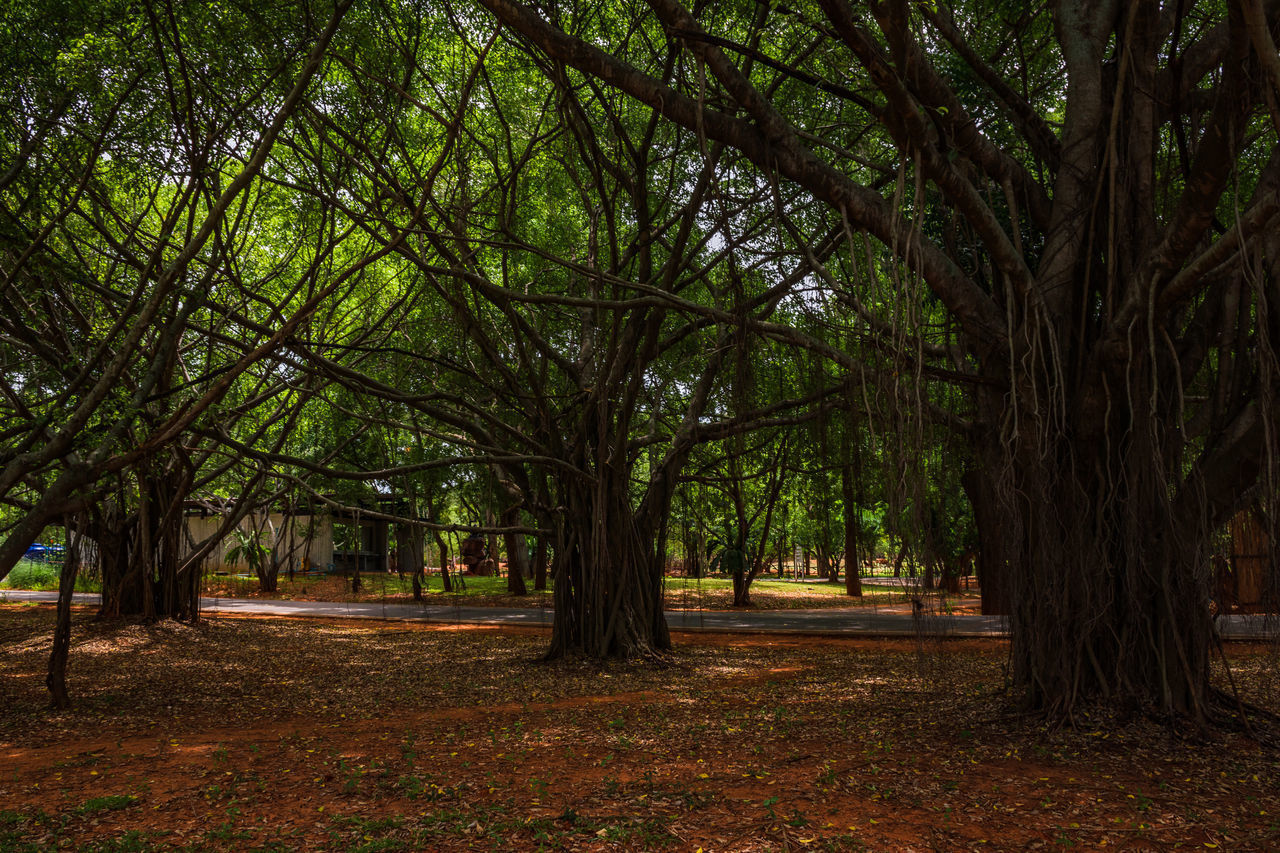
x,y
860,621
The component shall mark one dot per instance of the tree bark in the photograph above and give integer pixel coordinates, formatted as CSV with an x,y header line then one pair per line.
x,y
692,555
517,553
445,580
410,553
608,577
852,534
1111,594
266,566
56,680
993,572
140,551
540,565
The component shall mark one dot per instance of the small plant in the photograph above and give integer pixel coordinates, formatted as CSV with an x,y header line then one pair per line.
x,y
108,804
226,831
131,842
768,807
695,800
844,843
248,548
351,776
411,786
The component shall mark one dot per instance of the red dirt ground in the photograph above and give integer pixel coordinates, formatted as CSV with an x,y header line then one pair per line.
x,y
288,734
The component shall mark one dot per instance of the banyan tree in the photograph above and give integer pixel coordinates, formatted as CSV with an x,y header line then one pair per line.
x,y
1087,192
544,236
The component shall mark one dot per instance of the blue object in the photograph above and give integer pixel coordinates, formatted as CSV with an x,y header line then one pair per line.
x,y
39,552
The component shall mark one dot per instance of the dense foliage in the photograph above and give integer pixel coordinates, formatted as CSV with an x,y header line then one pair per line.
x,y
935,278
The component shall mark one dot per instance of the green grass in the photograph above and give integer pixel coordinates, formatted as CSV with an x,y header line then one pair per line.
x,y
44,576
767,591
373,585
30,575
475,585
108,804
765,584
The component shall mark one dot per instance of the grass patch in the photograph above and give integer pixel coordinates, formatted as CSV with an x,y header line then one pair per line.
x,y
711,592
111,803
715,592
28,574
376,586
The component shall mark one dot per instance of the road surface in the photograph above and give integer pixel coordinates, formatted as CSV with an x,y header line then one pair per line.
x,y
854,621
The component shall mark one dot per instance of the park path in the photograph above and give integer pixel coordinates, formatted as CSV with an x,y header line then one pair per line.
x,y
851,621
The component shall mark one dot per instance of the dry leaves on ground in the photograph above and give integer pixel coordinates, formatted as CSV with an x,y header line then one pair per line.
x,y
283,734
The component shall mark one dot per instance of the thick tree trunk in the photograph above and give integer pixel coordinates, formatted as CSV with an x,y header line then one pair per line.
x,y
141,553
268,575
852,573
1111,592
608,578
823,560
993,571
124,587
